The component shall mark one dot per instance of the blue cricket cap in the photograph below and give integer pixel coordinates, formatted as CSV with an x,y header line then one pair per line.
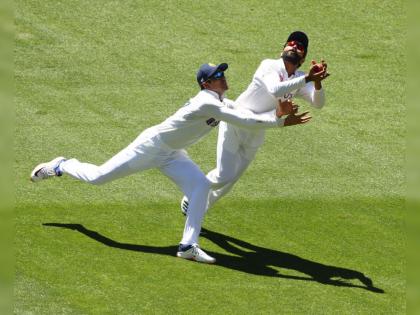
x,y
207,70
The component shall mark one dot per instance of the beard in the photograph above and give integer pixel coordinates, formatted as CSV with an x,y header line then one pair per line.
x,y
292,56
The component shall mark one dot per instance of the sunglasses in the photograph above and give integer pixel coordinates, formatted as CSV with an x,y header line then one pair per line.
x,y
296,44
217,75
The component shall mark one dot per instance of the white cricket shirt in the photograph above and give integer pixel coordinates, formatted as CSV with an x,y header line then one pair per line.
x,y
272,83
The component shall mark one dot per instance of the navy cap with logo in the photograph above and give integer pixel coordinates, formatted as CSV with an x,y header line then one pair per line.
x,y
207,70
300,37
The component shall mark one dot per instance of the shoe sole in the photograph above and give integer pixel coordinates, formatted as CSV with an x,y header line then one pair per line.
x,y
193,259
36,170
39,166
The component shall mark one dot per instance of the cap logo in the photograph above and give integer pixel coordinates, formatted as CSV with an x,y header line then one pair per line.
x,y
211,64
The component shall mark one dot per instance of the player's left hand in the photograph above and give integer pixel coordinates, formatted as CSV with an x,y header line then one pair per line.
x,y
320,70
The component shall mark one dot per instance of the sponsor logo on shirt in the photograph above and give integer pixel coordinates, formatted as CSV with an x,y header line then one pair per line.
x,y
288,96
212,122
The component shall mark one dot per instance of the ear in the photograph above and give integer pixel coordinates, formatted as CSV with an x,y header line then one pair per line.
x,y
205,85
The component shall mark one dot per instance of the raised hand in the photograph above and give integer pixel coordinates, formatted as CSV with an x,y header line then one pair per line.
x,y
317,71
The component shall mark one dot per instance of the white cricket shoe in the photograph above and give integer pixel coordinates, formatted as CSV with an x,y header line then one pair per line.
x,y
184,205
193,252
46,170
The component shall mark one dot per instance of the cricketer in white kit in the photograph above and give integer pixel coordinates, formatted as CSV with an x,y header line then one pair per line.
x,y
275,80
162,146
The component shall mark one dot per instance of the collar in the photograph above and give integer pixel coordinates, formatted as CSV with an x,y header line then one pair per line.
x,y
214,94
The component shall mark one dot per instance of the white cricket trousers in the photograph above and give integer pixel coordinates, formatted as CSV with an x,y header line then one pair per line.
x,y
146,152
236,148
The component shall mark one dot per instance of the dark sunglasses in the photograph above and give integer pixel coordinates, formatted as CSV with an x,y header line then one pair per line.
x,y
217,75
296,44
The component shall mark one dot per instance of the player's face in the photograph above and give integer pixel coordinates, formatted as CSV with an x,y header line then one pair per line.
x,y
297,47
218,83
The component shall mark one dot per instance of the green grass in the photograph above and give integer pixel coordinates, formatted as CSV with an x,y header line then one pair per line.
x,y
322,199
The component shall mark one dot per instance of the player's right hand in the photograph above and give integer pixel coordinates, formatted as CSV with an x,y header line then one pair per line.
x,y
293,119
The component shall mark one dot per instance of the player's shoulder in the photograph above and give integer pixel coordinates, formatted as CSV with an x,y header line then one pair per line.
x,y
269,62
270,65
206,97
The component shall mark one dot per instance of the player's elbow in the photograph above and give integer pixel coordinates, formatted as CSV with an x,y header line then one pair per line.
x,y
318,99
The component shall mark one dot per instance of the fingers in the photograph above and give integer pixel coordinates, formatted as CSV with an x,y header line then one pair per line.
x,y
305,119
298,120
324,76
303,114
292,120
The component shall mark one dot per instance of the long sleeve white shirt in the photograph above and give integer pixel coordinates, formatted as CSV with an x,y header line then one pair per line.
x,y
203,112
272,83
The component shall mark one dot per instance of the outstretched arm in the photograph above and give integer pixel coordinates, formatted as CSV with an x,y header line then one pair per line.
x,y
245,119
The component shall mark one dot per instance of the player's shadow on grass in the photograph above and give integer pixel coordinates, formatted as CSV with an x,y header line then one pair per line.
x,y
249,258
260,261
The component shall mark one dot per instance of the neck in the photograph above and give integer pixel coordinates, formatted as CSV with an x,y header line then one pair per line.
x,y
290,68
218,93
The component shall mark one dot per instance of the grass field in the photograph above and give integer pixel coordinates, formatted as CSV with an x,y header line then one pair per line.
x,y
320,209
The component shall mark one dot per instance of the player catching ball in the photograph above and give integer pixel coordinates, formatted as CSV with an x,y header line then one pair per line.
x,y
276,80
162,147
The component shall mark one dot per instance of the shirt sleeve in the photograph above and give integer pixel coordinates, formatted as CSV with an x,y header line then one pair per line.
x,y
315,97
278,88
245,119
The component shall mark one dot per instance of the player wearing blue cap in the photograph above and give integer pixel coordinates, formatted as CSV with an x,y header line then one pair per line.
x,y
162,146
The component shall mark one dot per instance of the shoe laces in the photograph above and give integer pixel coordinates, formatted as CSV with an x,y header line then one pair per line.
x,y
45,172
197,251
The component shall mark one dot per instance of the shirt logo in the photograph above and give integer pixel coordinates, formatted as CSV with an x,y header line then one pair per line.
x,y
288,96
212,122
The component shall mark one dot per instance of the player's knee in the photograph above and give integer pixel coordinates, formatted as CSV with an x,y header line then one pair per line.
x,y
224,178
202,184
98,180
